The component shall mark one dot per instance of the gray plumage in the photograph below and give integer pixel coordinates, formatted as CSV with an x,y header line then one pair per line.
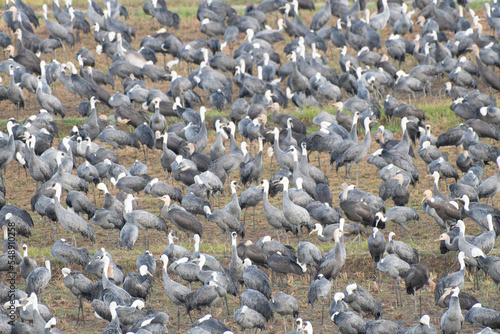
x,y
176,292
139,284
80,203
128,235
294,214
38,279
393,266
319,288
402,250
174,251
483,316
491,186
309,254
452,320
257,301
27,264
424,327
284,304
256,279
80,285
382,326
361,301
225,221
455,279
349,322
376,245
248,318
69,254
71,221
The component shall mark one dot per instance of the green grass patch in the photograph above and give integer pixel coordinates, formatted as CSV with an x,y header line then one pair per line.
x,y
439,114
475,5
186,11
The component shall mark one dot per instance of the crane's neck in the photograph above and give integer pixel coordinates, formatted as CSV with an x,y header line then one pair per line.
x,y
114,315
196,247
461,262
34,301
436,179
336,238
58,192
170,239
105,269
165,266
128,205
201,262
285,187
490,222
466,203
320,230
265,186
25,252
92,103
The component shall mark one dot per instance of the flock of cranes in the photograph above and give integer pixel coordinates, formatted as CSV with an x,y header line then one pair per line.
x,y
241,81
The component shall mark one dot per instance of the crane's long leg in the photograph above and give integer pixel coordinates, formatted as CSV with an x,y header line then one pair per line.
x,y
227,307
404,228
399,291
357,165
323,312
420,302
178,317
253,219
78,313
415,300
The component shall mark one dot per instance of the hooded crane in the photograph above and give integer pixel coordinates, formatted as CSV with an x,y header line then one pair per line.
x,y
335,259
116,291
294,214
401,250
361,301
483,316
357,152
28,264
452,319
416,279
80,285
319,288
70,220
376,247
396,269
176,292
180,218
38,279
58,31
274,216
139,284
455,279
